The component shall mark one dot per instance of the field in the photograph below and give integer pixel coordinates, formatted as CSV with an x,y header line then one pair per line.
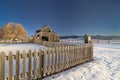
x,y
105,66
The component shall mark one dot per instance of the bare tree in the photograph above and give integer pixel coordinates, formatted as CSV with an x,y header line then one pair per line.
x,y
14,31
19,32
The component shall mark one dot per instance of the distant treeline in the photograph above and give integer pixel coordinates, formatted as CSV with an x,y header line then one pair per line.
x,y
70,37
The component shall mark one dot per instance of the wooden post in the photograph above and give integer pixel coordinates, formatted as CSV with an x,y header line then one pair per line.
x,y
49,67
59,68
17,64
62,53
77,56
30,65
80,54
10,68
91,51
2,66
35,64
65,57
56,59
24,65
87,53
83,52
74,55
70,58
73,62
53,61
44,63
40,63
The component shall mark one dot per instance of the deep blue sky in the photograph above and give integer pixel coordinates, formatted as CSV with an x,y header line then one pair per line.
x,y
66,17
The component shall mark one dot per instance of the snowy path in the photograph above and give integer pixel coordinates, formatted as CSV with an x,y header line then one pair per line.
x,y
105,66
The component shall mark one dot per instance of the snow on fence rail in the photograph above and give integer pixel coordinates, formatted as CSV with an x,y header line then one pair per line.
x,y
42,63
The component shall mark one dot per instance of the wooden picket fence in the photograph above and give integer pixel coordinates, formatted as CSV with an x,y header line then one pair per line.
x,y
55,44
43,62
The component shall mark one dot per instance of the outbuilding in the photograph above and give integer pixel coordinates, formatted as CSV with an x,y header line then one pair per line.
x,y
46,34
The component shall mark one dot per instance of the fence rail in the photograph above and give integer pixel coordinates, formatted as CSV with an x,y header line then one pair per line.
x,y
106,41
42,63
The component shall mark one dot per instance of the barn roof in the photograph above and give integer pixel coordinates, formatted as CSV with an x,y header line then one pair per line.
x,y
44,29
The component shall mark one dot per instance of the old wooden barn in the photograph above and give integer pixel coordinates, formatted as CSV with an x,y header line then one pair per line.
x,y
46,34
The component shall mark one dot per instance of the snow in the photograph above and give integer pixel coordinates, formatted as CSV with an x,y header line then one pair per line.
x,y
105,66
14,47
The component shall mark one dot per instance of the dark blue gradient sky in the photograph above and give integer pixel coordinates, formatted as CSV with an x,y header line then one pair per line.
x,y
66,17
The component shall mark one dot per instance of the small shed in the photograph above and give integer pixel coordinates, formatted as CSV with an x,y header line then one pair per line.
x,y
87,38
47,34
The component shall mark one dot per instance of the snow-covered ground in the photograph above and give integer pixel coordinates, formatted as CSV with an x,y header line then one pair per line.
x,y
14,47
105,66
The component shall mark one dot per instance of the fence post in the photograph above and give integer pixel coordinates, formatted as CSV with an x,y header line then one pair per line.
x,y
49,67
44,63
82,55
40,63
70,58
59,68
57,57
77,55
79,49
10,68
84,52
65,57
87,53
24,65
35,64
91,51
74,55
53,60
17,64
2,66
62,57
30,65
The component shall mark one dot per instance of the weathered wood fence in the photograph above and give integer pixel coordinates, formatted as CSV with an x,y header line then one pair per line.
x,y
39,64
97,41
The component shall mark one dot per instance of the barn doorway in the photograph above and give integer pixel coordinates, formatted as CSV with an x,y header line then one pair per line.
x,y
44,38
